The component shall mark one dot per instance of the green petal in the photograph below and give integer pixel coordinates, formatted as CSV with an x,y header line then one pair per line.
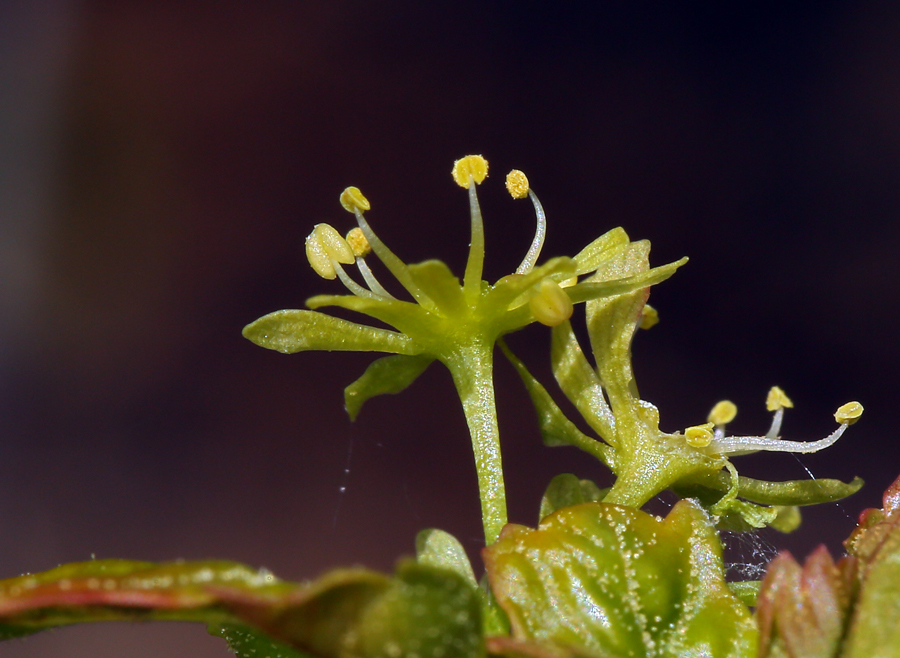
x,y
579,382
566,490
556,429
292,331
387,375
435,279
608,580
590,258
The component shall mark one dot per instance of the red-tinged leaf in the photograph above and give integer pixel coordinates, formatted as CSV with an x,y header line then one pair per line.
x,y
608,580
346,612
874,629
803,612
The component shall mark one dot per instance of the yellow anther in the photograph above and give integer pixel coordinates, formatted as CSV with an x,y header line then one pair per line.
x,y
568,283
722,413
471,165
352,199
649,317
358,243
324,246
550,305
778,399
849,413
517,184
699,436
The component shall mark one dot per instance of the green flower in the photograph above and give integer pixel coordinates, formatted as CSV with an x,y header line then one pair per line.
x,y
647,460
443,319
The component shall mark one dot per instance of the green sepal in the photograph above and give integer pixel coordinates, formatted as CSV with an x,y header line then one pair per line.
x,y
593,255
399,314
556,429
567,489
790,492
736,515
604,288
743,516
612,322
247,642
291,331
387,375
505,293
579,382
608,580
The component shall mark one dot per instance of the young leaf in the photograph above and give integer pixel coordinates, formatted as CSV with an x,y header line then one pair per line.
x,y
876,544
441,549
802,612
604,579
566,490
246,642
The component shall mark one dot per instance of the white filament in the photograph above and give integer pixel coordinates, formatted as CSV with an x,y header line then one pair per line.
x,y
534,251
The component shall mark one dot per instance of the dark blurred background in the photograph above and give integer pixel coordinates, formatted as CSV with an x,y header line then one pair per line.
x,y
161,164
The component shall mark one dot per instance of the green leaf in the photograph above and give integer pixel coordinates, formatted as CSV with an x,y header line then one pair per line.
x,y
426,612
566,490
441,549
345,612
556,429
293,331
610,580
246,642
387,375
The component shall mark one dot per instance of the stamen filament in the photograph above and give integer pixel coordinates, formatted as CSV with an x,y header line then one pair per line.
x,y
534,251
371,281
352,285
734,444
775,428
475,261
396,266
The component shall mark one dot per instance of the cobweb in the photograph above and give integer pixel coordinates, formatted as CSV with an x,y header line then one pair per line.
x,y
747,554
